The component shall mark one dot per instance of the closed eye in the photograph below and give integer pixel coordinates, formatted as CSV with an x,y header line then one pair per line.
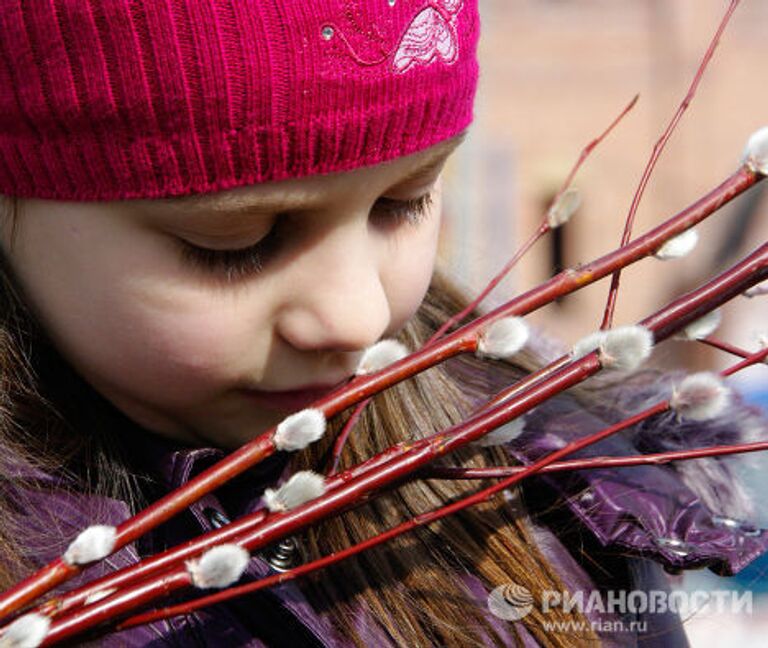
x,y
239,263
232,264
412,211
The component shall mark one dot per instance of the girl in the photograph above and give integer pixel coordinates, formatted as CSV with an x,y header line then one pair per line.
x,y
209,211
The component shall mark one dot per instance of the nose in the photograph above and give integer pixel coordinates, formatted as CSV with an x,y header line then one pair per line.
x,y
337,299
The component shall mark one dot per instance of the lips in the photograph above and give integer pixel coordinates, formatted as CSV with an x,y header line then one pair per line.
x,y
292,400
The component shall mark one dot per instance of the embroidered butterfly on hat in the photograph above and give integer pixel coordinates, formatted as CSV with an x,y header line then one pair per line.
x,y
430,36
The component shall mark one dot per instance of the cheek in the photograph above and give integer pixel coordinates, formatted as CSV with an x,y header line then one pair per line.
x,y
184,344
409,270
149,332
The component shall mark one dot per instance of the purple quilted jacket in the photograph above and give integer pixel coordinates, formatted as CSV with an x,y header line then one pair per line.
x,y
638,522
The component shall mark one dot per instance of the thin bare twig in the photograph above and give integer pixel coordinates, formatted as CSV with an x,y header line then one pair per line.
x,y
664,323
462,340
451,472
543,228
724,346
613,292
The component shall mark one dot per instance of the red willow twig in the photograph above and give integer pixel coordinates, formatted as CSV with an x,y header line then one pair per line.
x,y
544,227
147,567
724,346
587,150
136,573
157,563
595,463
569,280
613,292
749,359
355,492
449,472
461,340
341,438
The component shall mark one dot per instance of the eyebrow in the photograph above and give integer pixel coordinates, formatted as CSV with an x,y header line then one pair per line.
x,y
228,206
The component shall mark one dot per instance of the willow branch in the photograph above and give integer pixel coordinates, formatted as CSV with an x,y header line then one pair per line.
x,y
724,346
454,473
460,341
131,575
544,227
597,463
613,292
357,491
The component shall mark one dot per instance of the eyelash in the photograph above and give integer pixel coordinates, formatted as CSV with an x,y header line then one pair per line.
x,y
251,260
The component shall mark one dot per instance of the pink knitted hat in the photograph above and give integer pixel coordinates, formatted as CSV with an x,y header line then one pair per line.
x,y
114,99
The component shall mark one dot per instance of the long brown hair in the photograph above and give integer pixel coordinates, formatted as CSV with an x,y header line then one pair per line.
x,y
412,588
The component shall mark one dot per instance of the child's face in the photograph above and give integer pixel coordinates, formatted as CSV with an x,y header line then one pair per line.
x,y
175,344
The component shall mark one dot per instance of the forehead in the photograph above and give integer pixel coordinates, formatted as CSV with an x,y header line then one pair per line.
x,y
406,172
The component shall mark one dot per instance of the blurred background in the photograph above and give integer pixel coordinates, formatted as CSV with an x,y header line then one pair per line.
x,y
554,74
